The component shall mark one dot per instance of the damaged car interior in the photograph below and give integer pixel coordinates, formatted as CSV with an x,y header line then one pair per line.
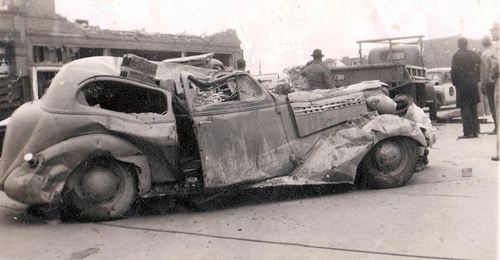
x,y
122,97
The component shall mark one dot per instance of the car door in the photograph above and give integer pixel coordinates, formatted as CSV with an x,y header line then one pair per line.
x,y
233,147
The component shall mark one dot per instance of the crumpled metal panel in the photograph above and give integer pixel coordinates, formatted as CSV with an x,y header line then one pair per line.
x,y
174,72
76,139
242,147
313,116
368,88
44,183
417,115
229,149
334,158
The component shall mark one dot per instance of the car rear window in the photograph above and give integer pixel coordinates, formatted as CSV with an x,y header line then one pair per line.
x,y
122,97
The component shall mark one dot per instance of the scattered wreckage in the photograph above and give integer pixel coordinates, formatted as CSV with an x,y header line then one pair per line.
x,y
97,140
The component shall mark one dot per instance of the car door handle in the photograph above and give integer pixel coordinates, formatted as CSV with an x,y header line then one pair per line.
x,y
204,122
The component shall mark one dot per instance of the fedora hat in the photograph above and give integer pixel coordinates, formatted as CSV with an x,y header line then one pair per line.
x,y
317,53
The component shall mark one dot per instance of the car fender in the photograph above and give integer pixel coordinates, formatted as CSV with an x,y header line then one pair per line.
x,y
449,93
386,126
335,156
67,155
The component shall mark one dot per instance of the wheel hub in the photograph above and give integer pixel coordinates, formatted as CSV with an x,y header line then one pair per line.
x,y
388,156
99,184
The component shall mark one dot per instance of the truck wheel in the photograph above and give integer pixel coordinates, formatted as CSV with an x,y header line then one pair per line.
x,y
99,189
391,163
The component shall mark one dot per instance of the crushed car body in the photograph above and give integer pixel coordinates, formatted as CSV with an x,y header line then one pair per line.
x,y
97,140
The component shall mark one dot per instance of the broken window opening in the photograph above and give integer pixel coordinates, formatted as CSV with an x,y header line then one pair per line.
x,y
48,54
224,58
122,97
237,88
4,62
44,79
38,54
89,52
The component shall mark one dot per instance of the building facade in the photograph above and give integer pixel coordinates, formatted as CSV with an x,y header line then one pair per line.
x,y
438,52
35,42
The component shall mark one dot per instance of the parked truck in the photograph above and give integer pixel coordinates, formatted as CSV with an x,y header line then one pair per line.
x,y
399,63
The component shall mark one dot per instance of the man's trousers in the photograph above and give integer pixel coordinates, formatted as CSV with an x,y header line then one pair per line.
x,y
470,121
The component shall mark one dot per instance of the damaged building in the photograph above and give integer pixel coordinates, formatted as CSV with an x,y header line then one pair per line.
x,y
35,42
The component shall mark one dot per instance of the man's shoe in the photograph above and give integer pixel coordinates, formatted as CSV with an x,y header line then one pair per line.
x,y
495,158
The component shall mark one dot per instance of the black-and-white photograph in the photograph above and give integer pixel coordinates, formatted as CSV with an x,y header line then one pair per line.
x,y
286,129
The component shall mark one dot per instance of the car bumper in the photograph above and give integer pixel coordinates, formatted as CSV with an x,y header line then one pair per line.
x,y
40,185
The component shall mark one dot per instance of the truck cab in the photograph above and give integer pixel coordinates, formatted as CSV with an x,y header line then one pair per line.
x,y
407,55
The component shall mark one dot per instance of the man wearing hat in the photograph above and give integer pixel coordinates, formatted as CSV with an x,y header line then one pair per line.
x,y
317,74
465,76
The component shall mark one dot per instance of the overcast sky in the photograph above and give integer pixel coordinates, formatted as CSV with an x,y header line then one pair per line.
x,y
283,33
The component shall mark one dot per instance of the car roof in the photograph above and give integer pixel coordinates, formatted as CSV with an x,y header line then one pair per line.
x,y
66,82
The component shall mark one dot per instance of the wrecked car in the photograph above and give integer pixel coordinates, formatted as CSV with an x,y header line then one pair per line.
x,y
96,140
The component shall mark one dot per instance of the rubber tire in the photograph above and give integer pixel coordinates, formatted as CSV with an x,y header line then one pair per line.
x,y
75,205
376,178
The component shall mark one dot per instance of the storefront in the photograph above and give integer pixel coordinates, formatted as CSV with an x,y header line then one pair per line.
x,y
35,42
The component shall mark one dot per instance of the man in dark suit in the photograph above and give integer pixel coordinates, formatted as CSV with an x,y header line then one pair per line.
x,y
465,77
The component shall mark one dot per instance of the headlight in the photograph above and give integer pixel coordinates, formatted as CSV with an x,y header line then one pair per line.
x,y
31,160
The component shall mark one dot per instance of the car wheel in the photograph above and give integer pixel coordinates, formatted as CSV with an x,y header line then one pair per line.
x,y
391,163
99,189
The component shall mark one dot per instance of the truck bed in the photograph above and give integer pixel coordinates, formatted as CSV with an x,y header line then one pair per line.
x,y
393,74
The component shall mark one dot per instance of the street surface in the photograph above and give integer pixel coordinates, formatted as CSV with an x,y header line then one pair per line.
x,y
438,215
